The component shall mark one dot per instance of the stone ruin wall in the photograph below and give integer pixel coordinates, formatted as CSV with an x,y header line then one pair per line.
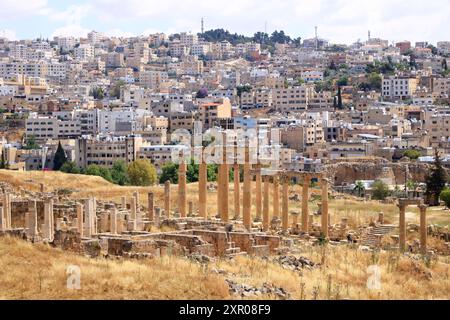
x,y
349,172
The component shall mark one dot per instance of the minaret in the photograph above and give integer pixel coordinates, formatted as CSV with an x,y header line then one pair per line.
x,y
203,25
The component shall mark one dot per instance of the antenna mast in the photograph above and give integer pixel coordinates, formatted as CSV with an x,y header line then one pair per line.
x,y
317,39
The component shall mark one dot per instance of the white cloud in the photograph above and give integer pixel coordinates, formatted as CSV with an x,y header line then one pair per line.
x,y
8,34
71,30
337,20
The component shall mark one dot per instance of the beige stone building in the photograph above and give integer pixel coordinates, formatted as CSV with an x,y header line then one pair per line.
x,y
294,99
210,112
441,87
107,150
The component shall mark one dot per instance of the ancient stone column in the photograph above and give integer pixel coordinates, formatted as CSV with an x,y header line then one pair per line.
x,y
325,218
258,193
247,195
423,229
42,187
285,205
167,199
237,193
59,223
7,210
113,220
402,227
151,205
224,183
305,199
202,189
136,196
276,197
32,223
2,219
80,219
124,203
190,208
49,223
266,203
224,186
381,218
104,222
310,222
182,185
157,216
90,217
133,213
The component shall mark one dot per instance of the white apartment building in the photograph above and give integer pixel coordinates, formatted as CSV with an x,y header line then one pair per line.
x,y
7,90
131,94
66,43
444,47
177,49
84,52
44,128
401,88
159,155
441,86
188,39
310,76
152,79
95,37
200,49
106,150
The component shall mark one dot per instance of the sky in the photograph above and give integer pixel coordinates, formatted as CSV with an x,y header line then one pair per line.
x,y
339,21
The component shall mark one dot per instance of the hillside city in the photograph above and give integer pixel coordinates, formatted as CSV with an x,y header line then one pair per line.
x,y
109,99
215,165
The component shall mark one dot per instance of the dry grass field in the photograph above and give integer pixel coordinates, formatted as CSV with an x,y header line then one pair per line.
x,y
356,210
38,272
30,271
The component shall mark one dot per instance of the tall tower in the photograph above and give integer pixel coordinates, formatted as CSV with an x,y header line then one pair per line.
x,y
203,25
369,35
317,38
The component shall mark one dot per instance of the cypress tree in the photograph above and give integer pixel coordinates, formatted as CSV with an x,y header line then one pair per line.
x,y
60,158
3,160
339,97
435,180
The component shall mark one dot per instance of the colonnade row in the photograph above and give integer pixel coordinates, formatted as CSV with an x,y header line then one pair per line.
x,y
263,181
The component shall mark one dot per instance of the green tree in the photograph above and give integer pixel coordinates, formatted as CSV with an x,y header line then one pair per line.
x,y
93,170
435,180
70,167
105,173
445,196
380,190
359,187
119,173
3,160
60,158
142,173
192,172
212,171
115,91
169,173
411,185
412,154
343,81
31,143
339,99
97,93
